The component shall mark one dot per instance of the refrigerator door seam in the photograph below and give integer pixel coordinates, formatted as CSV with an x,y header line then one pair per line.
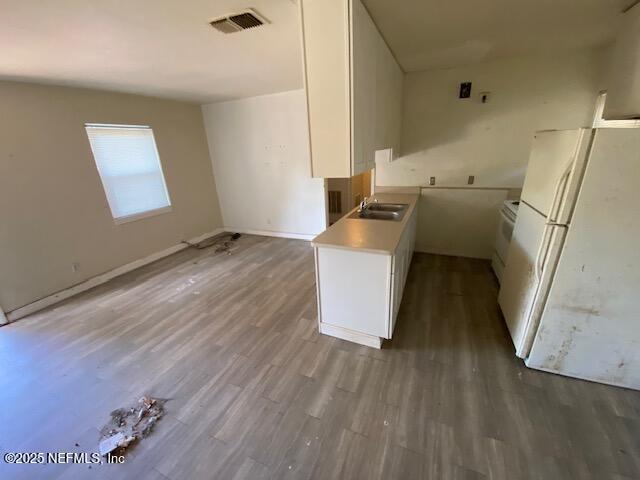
x,y
533,208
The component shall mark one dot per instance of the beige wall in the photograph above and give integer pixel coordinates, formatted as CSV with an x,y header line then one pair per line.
x,y
450,139
53,210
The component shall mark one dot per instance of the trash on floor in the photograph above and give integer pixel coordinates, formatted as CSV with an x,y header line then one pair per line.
x,y
222,242
128,425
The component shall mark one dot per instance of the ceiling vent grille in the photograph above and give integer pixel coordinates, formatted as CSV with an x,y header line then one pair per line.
x,y
238,21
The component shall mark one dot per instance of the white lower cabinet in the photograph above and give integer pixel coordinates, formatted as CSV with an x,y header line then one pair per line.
x,y
359,292
400,268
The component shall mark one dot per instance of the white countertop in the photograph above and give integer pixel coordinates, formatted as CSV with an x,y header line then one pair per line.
x,y
377,236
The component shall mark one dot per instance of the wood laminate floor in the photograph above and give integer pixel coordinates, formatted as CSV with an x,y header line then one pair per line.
x,y
255,392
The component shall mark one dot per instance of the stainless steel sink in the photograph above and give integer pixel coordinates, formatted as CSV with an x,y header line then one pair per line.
x,y
382,211
386,207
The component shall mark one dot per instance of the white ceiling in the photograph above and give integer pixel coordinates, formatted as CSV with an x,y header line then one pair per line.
x,y
166,47
426,34
154,47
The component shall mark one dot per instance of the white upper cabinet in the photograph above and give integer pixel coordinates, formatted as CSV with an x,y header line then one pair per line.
x,y
364,40
623,86
389,78
353,86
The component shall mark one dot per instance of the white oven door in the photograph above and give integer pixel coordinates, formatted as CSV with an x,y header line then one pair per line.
x,y
503,236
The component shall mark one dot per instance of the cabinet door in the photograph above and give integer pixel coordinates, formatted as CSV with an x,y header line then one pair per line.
x,y
396,293
354,289
365,38
413,226
398,278
389,99
414,232
406,247
325,45
401,264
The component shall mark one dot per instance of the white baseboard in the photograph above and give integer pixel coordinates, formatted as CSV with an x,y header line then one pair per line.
x,y
102,278
351,335
204,236
452,253
116,272
269,233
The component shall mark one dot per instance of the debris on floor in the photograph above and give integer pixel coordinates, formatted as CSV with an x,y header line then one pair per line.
x,y
128,425
222,242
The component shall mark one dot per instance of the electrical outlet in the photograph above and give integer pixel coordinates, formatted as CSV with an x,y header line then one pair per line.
x,y
75,266
471,180
432,180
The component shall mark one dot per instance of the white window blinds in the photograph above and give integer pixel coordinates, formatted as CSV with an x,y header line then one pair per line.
x,y
128,164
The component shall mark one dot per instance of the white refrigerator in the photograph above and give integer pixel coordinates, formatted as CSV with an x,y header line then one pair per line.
x,y
570,292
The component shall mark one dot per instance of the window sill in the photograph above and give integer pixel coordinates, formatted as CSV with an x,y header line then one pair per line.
x,y
141,215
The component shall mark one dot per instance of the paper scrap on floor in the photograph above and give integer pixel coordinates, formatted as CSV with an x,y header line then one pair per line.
x,y
128,425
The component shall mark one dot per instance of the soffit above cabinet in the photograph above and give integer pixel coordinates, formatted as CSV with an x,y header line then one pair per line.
x,y
426,34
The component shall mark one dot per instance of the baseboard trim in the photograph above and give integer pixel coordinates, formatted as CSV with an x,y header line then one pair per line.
x,y
204,236
269,233
351,335
54,298
449,253
102,278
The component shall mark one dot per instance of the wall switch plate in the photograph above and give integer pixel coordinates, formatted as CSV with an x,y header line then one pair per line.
x,y
432,180
471,179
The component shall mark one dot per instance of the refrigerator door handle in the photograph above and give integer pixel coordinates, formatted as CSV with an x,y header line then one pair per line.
x,y
560,186
546,238
542,248
554,246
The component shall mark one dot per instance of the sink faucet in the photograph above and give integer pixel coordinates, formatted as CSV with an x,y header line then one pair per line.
x,y
365,202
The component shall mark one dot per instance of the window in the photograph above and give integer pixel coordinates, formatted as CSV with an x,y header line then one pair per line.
x,y
599,122
130,170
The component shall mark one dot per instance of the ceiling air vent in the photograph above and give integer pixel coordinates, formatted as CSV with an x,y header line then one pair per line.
x,y
238,21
